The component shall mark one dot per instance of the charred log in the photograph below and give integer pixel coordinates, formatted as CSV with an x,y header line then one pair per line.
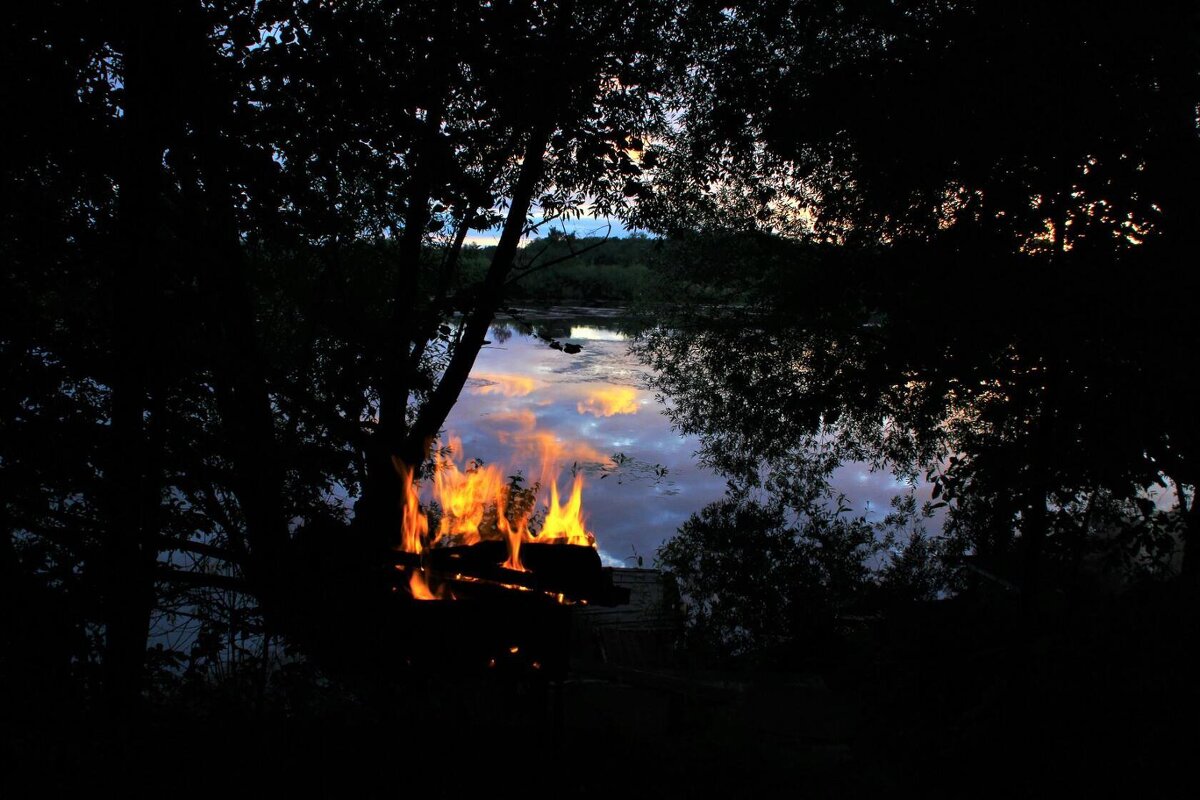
x,y
573,571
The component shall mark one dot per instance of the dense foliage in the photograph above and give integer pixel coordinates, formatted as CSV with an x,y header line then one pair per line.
x,y
236,294
987,278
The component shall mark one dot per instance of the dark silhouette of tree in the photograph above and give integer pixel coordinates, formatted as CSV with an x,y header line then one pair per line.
x,y
917,118
755,582
237,290
233,238
1000,186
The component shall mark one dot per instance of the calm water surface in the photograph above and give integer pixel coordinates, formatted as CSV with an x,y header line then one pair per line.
x,y
524,396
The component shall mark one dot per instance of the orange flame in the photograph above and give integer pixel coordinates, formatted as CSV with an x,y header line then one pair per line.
x,y
565,523
464,496
417,586
414,531
477,502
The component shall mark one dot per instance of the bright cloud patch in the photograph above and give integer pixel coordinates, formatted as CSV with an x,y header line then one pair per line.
x,y
507,385
609,401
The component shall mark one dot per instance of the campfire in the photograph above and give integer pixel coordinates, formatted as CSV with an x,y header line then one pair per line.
x,y
485,530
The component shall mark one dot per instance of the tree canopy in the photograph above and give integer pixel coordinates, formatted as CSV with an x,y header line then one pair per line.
x,y
238,290
942,234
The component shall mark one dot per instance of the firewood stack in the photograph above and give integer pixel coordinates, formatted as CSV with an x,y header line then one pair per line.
x,y
499,619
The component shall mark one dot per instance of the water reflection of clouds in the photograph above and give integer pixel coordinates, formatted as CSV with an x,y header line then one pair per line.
x,y
632,510
870,492
594,334
489,383
609,401
591,404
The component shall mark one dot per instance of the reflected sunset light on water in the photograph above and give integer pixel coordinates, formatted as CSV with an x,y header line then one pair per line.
x,y
524,395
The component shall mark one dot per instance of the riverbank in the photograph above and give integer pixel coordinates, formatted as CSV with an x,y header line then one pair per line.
x,y
948,699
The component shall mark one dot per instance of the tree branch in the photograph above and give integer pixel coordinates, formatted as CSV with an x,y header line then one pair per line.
x,y
474,330
572,254
199,548
200,579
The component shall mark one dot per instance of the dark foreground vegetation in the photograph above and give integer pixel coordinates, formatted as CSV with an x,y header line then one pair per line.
x,y
932,697
238,303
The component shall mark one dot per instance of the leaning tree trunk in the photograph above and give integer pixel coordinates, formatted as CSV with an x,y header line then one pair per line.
x,y
378,516
381,508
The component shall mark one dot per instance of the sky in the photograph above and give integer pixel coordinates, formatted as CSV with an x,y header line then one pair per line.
x,y
584,226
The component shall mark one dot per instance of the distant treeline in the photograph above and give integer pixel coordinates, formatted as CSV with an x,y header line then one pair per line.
x,y
588,269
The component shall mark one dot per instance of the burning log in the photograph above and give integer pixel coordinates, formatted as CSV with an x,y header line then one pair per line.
x,y
572,571
484,538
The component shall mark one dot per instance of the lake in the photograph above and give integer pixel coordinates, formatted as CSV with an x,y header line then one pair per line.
x,y
642,478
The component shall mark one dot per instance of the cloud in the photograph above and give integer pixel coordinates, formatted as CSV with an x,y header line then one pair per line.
x,y
609,401
507,385
541,452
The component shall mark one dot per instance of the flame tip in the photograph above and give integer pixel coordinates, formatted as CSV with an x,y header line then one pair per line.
x,y
478,503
